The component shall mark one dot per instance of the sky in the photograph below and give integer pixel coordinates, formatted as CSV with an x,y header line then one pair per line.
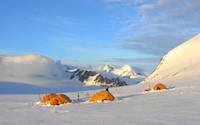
x,y
97,32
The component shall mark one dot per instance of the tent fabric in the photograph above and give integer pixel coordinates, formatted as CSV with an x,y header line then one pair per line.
x,y
159,86
102,96
46,99
55,99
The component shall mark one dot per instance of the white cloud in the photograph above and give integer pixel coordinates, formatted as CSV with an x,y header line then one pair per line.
x,y
162,25
33,69
172,11
152,44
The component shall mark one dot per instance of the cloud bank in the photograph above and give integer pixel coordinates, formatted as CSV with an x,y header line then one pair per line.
x,y
160,26
33,69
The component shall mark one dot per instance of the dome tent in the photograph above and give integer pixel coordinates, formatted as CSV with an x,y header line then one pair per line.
x,y
46,99
102,96
159,86
55,99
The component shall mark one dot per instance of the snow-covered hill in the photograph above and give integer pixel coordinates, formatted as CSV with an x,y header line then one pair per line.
x,y
180,66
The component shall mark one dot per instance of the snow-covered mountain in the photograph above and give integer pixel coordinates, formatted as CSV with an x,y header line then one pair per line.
x,y
126,71
108,75
179,66
106,68
93,78
39,70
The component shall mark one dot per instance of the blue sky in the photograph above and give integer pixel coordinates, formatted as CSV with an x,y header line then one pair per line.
x,y
95,32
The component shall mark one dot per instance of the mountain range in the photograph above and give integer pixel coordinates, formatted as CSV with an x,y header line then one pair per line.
x,y
108,75
42,71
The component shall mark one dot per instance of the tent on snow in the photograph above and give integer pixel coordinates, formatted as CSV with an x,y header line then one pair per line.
x,y
55,99
159,86
102,96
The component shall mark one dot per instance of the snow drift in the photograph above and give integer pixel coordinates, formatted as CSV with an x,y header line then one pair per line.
x,y
30,69
179,66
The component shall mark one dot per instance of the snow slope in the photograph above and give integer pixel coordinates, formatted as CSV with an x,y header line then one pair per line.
x,y
91,81
180,66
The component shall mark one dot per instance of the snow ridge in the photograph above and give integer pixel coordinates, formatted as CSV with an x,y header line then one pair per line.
x,y
181,63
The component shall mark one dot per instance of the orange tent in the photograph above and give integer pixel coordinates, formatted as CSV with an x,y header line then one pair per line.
x,y
159,86
55,99
46,99
102,96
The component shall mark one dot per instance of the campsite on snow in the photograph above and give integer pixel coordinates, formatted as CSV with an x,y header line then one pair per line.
x,y
167,96
99,62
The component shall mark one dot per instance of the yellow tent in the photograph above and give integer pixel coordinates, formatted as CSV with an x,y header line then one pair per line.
x,y
55,99
102,96
159,86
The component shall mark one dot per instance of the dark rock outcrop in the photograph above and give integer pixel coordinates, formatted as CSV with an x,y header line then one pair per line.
x,y
84,75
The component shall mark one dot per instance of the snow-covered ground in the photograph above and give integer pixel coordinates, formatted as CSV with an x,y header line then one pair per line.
x,y
24,88
178,105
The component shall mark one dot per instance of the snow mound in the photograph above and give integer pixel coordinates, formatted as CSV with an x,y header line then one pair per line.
x,y
30,69
180,65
